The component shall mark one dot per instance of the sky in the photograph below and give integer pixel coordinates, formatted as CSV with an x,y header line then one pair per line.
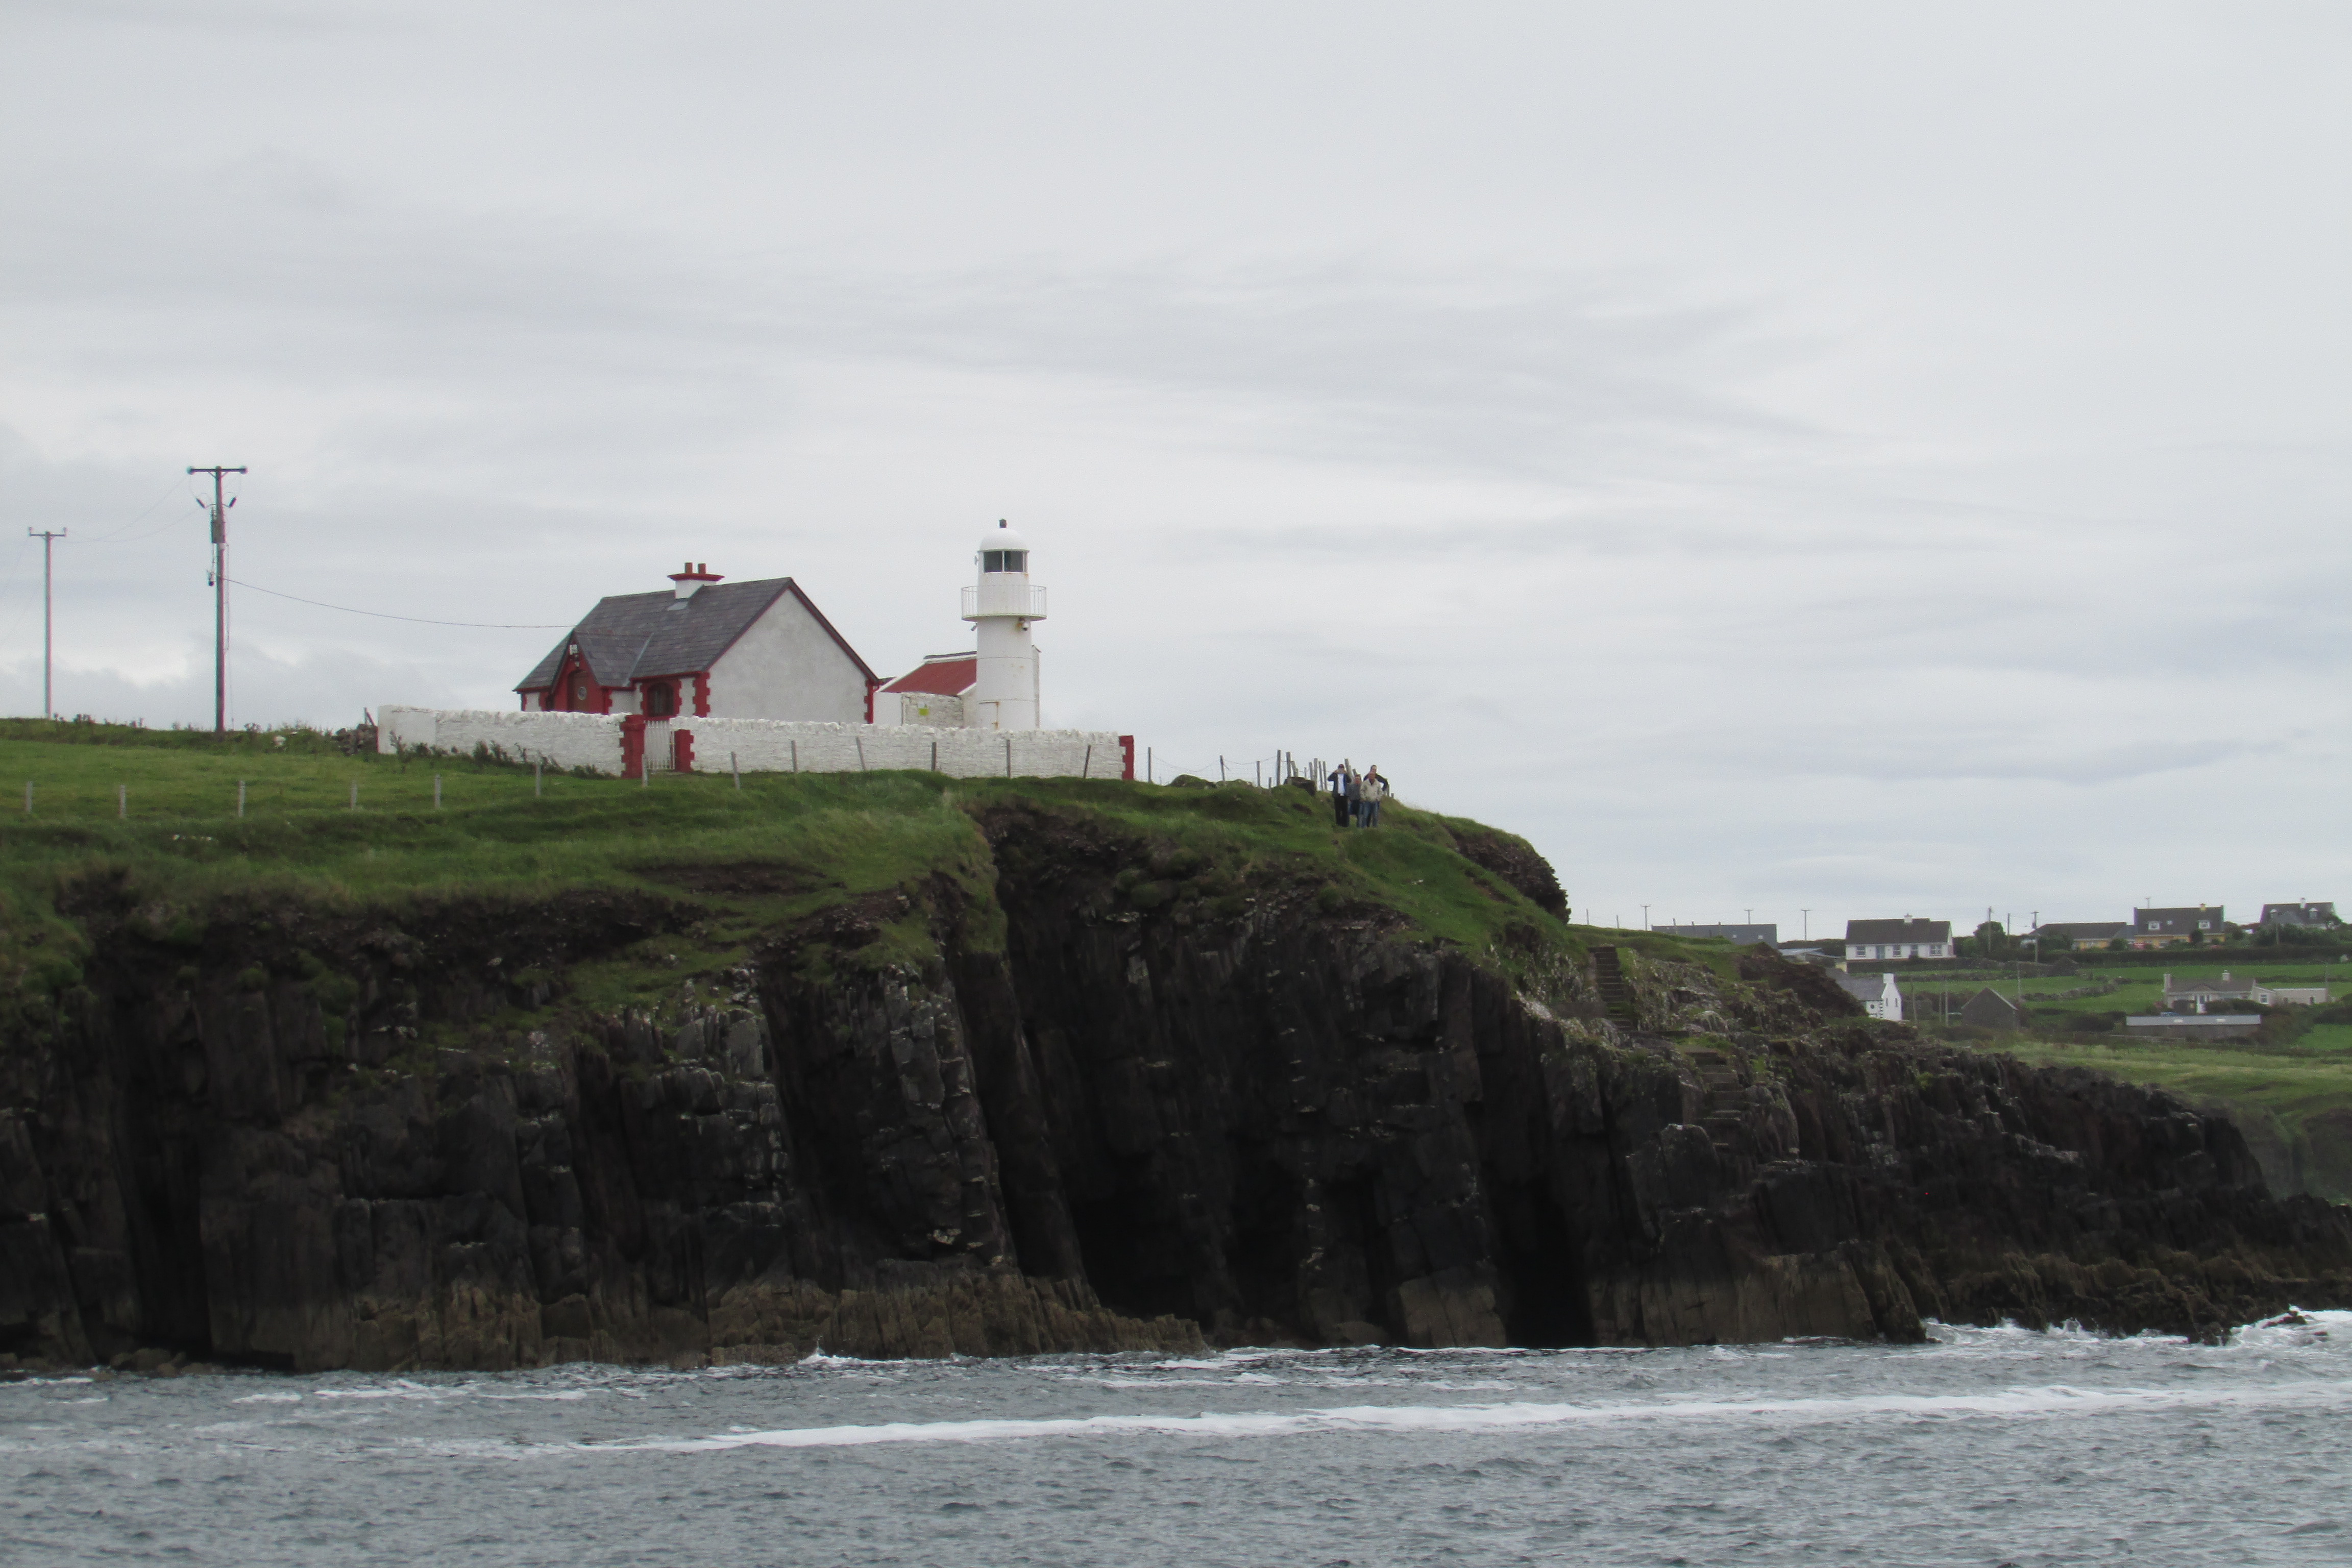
x,y
1795,462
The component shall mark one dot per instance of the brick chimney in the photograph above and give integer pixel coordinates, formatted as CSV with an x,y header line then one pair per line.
x,y
690,581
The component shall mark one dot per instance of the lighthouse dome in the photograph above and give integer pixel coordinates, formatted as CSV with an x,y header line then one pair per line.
x,y
1001,537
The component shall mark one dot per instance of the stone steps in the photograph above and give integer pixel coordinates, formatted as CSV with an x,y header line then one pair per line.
x,y
1609,979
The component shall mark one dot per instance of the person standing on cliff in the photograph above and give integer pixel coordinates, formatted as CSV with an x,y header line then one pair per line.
x,y
1375,790
1343,790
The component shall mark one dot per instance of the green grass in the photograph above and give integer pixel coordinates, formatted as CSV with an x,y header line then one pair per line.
x,y
184,851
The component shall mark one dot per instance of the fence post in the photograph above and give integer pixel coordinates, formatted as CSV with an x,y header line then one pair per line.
x,y
861,751
240,798
1146,766
796,754
122,800
935,756
537,788
1008,756
1221,767
1088,763
737,769
436,792
355,794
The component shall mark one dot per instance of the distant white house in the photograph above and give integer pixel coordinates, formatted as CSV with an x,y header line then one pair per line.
x,y
2203,993
1879,996
1906,938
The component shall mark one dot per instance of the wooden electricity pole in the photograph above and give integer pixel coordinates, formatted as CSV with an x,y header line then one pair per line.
x,y
48,538
220,596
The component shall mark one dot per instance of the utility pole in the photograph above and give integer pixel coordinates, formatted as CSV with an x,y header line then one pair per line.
x,y
1807,928
48,538
220,596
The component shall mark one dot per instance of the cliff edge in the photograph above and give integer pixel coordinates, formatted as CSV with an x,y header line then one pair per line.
x,y
876,1067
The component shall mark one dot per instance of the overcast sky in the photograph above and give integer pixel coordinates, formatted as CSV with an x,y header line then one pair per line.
x,y
1852,458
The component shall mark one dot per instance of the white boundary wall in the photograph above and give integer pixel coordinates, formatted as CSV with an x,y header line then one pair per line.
x,y
559,739
764,745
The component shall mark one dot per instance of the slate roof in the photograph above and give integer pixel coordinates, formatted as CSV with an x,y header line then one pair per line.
x,y
2150,922
940,675
1865,987
2242,985
630,636
2298,914
1875,932
2085,930
1990,1010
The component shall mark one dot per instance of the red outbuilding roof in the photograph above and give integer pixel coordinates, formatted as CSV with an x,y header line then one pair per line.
x,y
941,675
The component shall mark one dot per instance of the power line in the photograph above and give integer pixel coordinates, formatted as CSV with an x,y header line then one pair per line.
x,y
159,501
419,620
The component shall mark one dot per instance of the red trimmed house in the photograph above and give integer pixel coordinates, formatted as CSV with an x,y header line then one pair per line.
x,y
930,693
706,649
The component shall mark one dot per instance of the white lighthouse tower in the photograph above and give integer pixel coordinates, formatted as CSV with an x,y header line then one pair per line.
x,y
1005,689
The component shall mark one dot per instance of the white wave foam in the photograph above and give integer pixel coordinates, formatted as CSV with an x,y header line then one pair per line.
x,y
2024,1402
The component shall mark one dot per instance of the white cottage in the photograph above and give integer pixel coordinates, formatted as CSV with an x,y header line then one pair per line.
x,y
706,648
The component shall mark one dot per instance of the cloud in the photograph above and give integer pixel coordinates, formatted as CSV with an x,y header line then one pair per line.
x,y
1797,461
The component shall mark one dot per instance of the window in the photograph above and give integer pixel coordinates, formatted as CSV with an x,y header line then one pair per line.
x,y
1004,560
661,700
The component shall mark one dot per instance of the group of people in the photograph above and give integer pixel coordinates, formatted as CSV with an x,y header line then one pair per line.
x,y
1356,797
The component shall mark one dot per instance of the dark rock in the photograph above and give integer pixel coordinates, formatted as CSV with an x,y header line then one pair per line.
x,y
1075,1124
1516,861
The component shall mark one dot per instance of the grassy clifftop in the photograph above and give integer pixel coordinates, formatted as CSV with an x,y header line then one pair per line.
x,y
151,818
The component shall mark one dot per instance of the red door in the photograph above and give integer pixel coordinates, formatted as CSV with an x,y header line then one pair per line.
x,y
575,690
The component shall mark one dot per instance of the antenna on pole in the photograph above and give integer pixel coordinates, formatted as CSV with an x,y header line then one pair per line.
x,y
220,596
48,538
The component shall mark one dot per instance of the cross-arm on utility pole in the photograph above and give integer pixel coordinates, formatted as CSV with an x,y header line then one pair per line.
x,y
48,538
220,596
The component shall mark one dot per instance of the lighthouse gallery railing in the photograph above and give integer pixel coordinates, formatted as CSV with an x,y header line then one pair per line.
x,y
1026,599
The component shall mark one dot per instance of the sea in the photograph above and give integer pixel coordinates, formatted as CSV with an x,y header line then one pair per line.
x,y
1982,1446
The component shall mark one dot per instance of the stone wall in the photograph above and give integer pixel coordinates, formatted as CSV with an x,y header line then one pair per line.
x,y
766,745
559,740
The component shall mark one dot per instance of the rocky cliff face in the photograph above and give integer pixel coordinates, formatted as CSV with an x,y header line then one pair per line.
x,y
1094,1117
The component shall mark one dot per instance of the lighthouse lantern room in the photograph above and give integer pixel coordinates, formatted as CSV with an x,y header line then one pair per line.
x,y
1004,690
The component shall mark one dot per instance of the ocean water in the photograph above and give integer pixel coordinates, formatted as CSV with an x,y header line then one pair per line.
x,y
1985,1447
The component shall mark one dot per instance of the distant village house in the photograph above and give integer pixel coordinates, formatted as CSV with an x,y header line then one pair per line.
x,y
2084,933
2184,996
1906,938
2162,928
2303,914
1879,996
